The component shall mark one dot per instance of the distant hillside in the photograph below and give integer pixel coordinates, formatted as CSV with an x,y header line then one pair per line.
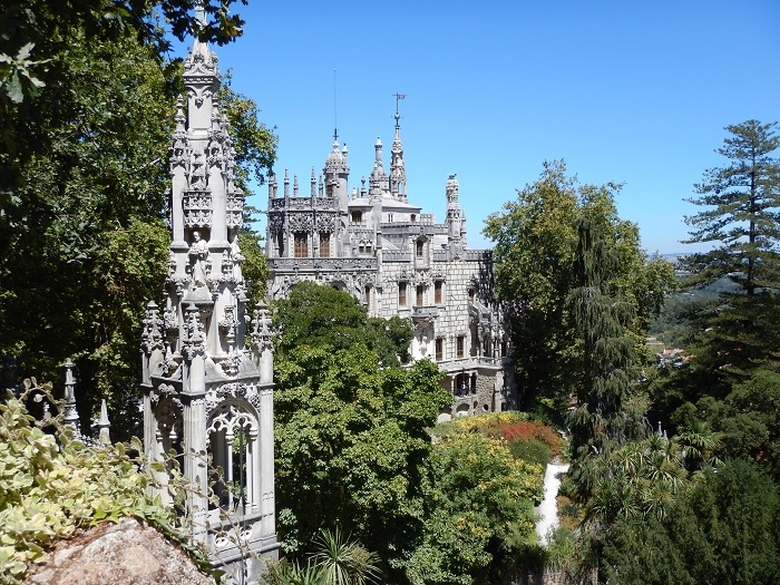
x,y
670,327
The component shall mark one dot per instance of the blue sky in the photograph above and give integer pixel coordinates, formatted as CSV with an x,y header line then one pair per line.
x,y
625,91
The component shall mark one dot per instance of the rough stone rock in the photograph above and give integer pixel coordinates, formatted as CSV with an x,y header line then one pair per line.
x,y
129,553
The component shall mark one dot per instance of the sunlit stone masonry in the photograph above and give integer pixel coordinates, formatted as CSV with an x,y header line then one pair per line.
x,y
379,247
207,380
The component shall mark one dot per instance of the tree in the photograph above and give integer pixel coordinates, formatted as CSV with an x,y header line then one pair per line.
x,y
478,512
82,203
720,531
544,243
321,315
351,440
84,236
610,409
743,201
535,239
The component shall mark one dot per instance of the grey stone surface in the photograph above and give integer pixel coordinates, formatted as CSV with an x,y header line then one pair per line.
x,y
376,245
128,553
207,376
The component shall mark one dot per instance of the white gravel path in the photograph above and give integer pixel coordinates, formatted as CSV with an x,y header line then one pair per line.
x,y
547,510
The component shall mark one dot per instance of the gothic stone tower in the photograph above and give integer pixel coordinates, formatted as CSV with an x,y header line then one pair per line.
x,y
207,381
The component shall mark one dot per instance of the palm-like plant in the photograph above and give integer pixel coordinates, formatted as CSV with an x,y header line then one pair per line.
x,y
344,562
337,561
699,442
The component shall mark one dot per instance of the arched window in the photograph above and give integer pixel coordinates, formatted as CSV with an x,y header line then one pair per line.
x,y
235,456
168,415
301,244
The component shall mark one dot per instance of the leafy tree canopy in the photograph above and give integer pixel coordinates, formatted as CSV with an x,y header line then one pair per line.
x,y
544,250
721,531
82,187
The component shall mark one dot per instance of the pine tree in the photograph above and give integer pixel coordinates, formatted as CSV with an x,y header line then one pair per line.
x,y
743,215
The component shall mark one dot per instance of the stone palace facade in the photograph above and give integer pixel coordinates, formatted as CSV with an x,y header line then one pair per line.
x,y
379,247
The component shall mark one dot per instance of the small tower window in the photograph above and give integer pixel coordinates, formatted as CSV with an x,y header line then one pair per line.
x,y
325,244
460,345
357,217
437,292
420,248
402,294
414,218
439,349
420,295
301,244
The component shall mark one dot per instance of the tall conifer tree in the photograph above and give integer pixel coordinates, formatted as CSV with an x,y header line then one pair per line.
x,y
742,217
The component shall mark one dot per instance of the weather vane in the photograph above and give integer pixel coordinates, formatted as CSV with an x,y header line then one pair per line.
x,y
398,97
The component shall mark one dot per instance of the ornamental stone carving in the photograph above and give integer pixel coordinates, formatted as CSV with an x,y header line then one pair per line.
x,y
276,222
300,222
152,338
197,207
262,335
194,341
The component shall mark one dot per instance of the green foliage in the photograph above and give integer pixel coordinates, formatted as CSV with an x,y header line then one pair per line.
x,y
742,201
82,186
350,442
530,450
344,562
542,254
255,266
84,241
722,531
479,511
51,489
336,560
31,30
317,315
529,440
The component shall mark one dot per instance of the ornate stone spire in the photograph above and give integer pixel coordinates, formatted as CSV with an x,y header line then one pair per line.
x,y
200,375
70,414
336,174
454,220
377,181
397,168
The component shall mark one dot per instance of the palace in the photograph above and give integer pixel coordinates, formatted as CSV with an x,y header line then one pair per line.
x,y
379,247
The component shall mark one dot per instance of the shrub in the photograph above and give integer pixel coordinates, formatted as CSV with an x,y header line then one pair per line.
x,y
50,487
530,450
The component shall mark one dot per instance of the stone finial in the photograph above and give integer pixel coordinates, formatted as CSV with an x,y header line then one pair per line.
x,y
262,333
70,414
103,424
152,338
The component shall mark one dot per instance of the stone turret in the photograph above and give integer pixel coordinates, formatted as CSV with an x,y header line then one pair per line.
x,y
336,174
453,221
397,168
377,181
208,383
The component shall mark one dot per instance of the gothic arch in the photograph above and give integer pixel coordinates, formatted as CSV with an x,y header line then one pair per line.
x,y
234,450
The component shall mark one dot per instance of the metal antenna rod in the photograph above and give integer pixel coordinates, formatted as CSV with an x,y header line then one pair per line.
x,y
335,110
